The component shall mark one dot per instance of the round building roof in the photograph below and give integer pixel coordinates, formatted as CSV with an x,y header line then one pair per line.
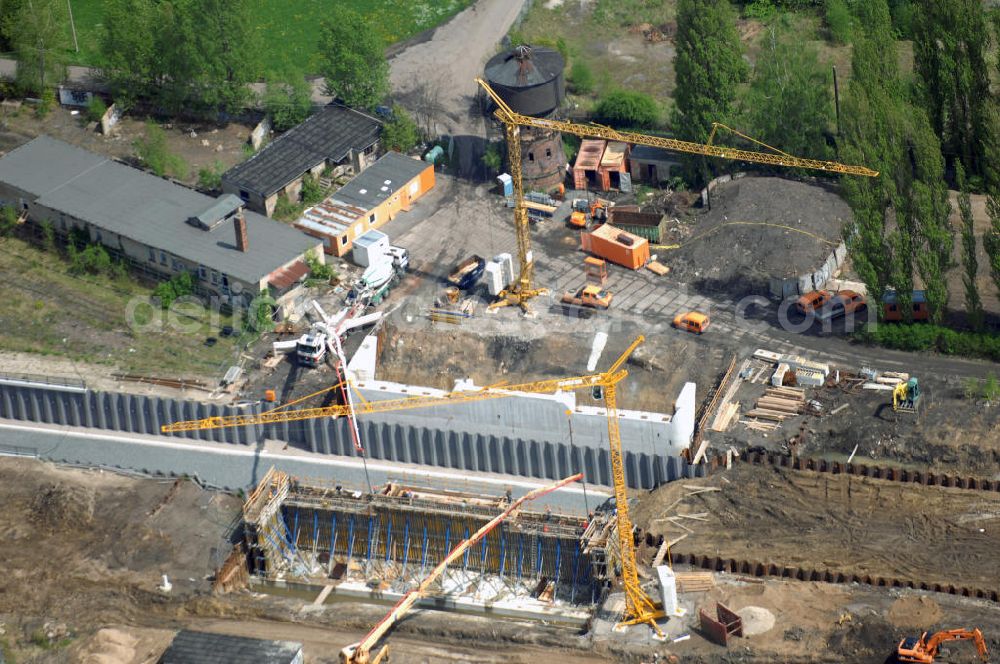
x,y
525,66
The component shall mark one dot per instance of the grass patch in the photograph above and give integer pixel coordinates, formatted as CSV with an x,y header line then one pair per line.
x,y
924,337
51,311
290,29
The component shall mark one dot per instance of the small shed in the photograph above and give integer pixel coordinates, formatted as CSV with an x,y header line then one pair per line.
x,y
614,167
588,163
371,248
190,647
653,165
650,225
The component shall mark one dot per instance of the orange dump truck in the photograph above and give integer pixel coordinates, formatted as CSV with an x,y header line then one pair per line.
x,y
617,246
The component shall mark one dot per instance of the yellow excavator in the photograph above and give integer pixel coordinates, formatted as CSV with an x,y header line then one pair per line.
x,y
923,650
906,396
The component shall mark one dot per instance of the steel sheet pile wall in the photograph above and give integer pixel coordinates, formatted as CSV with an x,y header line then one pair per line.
x,y
395,544
404,441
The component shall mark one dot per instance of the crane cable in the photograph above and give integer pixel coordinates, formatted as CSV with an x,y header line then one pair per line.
x,y
669,247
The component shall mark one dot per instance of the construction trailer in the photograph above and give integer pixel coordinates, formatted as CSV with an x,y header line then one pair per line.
x,y
320,533
369,201
616,245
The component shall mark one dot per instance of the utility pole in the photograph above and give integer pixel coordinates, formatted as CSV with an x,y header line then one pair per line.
x,y
836,98
72,25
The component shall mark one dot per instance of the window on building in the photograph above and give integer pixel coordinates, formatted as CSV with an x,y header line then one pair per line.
x,y
244,194
531,156
177,265
343,240
371,218
225,284
163,258
369,149
548,152
100,239
203,273
24,205
215,277
152,255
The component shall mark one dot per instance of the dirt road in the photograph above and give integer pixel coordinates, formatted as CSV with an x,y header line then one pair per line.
x,y
435,79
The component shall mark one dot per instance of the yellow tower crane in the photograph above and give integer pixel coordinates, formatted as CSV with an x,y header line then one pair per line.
x,y
523,289
639,608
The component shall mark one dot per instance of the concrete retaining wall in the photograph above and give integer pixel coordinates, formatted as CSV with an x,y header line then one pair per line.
x,y
815,280
399,439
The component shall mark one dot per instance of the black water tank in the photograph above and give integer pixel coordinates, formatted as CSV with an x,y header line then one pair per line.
x,y
529,79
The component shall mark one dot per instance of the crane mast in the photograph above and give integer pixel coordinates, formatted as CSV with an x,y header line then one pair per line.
x,y
522,290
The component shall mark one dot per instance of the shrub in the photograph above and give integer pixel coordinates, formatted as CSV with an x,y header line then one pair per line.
x,y
581,79
96,108
320,272
991,388
288,99
923,337
400,133
312,192
210,178
492,157
153,151
838,21
180,285
623,108
8,219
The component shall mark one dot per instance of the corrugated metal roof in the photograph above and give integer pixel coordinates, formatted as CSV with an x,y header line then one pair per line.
x,y
378,182
614,155
330,134
589,156
190,647
284,278
147,209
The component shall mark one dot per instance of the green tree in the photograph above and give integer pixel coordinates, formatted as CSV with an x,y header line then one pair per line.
x,y
581,79
38,32
951,40
973,302
128,49
401,132
839,21
991,238
709,66
353,59
153,151
625,108
900,218
288,99
191,56
229,47
789,102
493,157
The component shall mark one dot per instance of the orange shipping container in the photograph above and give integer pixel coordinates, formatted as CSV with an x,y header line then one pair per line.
x,y
617,246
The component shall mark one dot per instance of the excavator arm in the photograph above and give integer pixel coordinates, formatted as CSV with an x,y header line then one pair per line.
x,y
924,650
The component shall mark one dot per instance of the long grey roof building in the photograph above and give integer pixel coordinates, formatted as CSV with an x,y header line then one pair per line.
x,y
149,210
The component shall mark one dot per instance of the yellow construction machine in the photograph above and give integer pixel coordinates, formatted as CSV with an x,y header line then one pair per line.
x,y
639,608
523,289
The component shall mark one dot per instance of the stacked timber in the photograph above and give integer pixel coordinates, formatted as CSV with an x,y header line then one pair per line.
x,y
693,582
779,403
